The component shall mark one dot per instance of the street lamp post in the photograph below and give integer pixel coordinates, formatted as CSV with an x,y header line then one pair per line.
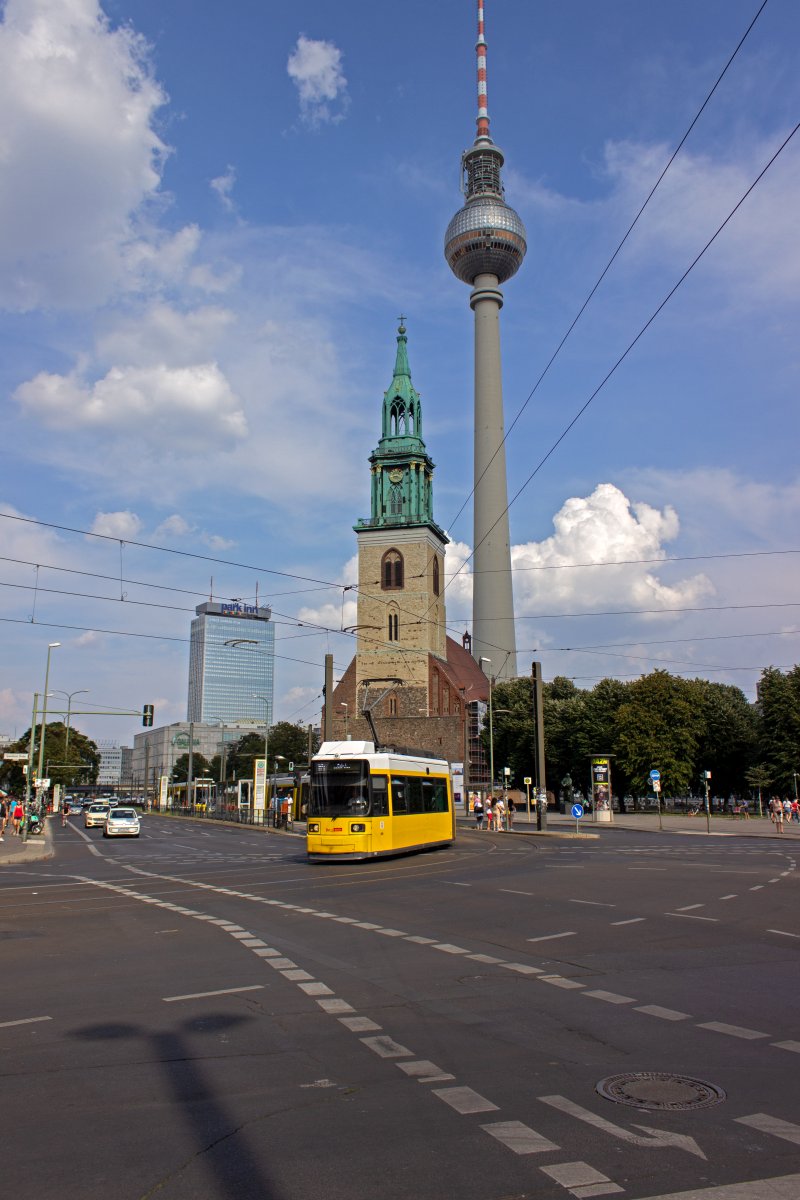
x,y
483,659
69,695
50,647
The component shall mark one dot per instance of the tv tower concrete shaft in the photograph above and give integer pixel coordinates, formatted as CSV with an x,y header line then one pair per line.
x,y
485,245
493,633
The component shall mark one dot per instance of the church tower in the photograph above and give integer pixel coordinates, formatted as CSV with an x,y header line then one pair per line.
x,y
401,604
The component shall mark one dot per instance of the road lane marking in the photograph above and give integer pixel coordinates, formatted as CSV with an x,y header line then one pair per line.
x,y
757,888
594,903
783,933
335,1006
296,976
773,1125
315,989
392,932
386,1047
666,1014
689,907
23,1021
611,997
581,1179
630,921
691,917
359,1024
252,987
560,981
548,937
518,1137
447,948
514,892
732,1030
660,1138
520,968
280,964
795,1046
420,941
489,959
731,897
424,1071
465,1100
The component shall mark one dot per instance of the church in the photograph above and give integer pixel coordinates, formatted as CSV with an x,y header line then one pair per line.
x,y
424,690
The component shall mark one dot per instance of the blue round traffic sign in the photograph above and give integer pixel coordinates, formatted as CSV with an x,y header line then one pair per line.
x,y
654,774
577,811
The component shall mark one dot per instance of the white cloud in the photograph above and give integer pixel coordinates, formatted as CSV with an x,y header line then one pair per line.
x,y
315,68
124,524
604,527
79,155
193,406
174,526
161,334
223,185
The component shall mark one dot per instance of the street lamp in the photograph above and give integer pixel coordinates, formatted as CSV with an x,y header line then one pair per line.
x,y
483,659
69,695
50,647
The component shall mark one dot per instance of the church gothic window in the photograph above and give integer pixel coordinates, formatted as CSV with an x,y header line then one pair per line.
x,y
392,571
436,583
395,500
393,627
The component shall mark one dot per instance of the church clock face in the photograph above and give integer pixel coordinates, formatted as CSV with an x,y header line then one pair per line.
x,y
396,475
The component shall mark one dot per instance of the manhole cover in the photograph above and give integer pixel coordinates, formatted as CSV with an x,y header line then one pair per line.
x,y
660,1091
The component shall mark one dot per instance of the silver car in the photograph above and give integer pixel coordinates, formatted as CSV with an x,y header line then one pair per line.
x,y
95,814
122,822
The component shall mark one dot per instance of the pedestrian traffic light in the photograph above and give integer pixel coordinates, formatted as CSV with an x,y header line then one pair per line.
x,y
147,715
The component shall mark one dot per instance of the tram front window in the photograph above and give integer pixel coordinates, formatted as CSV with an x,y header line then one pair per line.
x,y
340,789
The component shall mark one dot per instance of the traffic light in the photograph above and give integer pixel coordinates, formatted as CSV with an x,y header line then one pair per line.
x,y
147,715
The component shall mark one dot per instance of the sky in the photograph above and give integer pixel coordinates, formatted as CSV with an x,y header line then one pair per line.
x,y
211,218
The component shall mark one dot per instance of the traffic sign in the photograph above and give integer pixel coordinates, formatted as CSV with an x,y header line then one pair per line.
x,y
15,757
654,774
577,811
527,781
656,785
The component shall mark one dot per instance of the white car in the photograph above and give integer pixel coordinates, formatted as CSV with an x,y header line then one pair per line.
x,y
95,814
122,822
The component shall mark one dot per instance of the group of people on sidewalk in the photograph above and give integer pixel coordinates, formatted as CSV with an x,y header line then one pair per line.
x,y
498,814
783,810
11,811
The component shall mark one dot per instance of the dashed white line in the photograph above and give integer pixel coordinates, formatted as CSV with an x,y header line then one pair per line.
x,y
386,1047
465,1100
689,907
692,917
581,1179
594,903
424,1071
732,1030
610,997
549,937
665,1014
795,1046
519,1138
252,987
732,896
784,933
630,921
514,892
560,981
773,1125
23,1021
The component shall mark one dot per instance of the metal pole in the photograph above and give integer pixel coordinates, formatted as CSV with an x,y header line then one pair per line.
x,y
484,659
190,769
541,779
29,772
51,646
327,731
708,810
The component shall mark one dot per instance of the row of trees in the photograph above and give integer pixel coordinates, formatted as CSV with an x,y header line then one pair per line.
x,y
287,743
680,726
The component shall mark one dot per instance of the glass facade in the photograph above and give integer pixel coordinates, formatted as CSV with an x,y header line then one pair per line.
x,y
231,659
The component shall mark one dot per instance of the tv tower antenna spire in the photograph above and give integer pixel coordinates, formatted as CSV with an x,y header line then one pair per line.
x,y
485,244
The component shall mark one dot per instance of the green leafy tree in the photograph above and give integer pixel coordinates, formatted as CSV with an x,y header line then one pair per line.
x,y
659,725
242,755
201,768
512,710
779,726
727,745
68,763
759,778
290,742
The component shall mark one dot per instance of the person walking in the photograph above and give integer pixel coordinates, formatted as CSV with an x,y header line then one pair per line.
x,y
776,812
490,814
477,809
512,808
500,814
64,813
17,813
3,817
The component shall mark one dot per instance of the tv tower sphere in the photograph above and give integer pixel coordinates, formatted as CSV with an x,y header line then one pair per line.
x,y
484,246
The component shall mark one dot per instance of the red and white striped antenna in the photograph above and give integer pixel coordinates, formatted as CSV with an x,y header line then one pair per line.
x,y
483,101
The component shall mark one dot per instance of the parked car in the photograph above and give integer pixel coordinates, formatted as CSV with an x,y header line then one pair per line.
x,y
122,822
96,814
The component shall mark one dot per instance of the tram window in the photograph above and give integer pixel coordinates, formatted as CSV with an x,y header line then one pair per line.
x,y
414,795
380,796
434,795
399,795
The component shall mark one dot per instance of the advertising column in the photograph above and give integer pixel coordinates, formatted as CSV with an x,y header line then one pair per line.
x,y
601,788
259,790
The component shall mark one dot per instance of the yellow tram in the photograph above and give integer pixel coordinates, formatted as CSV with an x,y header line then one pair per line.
x,y
365,803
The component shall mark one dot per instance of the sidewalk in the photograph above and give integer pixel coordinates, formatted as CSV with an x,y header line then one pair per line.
x,y
558,825
13,850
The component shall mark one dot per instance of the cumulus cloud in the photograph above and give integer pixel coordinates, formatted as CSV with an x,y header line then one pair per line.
x,y
124,524
604,527
174,526
193,406
315,68
164,334
79,154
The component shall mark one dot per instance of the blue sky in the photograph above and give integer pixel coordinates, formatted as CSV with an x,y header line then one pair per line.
x,y
211,217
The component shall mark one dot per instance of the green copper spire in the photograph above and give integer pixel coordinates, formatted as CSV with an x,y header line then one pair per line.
x,y
402,470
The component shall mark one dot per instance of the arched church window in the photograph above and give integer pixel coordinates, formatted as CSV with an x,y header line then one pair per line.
x,y
436,583
395,500
392,571
394,632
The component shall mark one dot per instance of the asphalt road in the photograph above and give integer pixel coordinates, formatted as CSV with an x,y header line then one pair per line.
x,y
201,1014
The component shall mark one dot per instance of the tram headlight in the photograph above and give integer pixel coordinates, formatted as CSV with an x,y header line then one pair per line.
x,y
358,828
312,827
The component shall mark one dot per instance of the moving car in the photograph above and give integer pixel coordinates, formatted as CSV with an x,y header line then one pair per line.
x,y
122,822
95,814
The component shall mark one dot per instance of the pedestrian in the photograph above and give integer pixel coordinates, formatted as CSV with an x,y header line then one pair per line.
x,y
3,817
500,814
512,808
795,810
490,814
776,813
477,809
64,813
17,813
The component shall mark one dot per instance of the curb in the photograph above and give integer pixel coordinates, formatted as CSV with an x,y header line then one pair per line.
x,y
36,849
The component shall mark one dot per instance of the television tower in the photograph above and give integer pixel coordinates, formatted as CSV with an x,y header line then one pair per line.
x,y
485,245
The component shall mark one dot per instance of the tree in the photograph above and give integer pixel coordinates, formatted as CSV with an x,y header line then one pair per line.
x,y
728,742
290,742
201,768
779,725
69,765
659,725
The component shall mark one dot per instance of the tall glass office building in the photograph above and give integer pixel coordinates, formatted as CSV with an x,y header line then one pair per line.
x,y
231,659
